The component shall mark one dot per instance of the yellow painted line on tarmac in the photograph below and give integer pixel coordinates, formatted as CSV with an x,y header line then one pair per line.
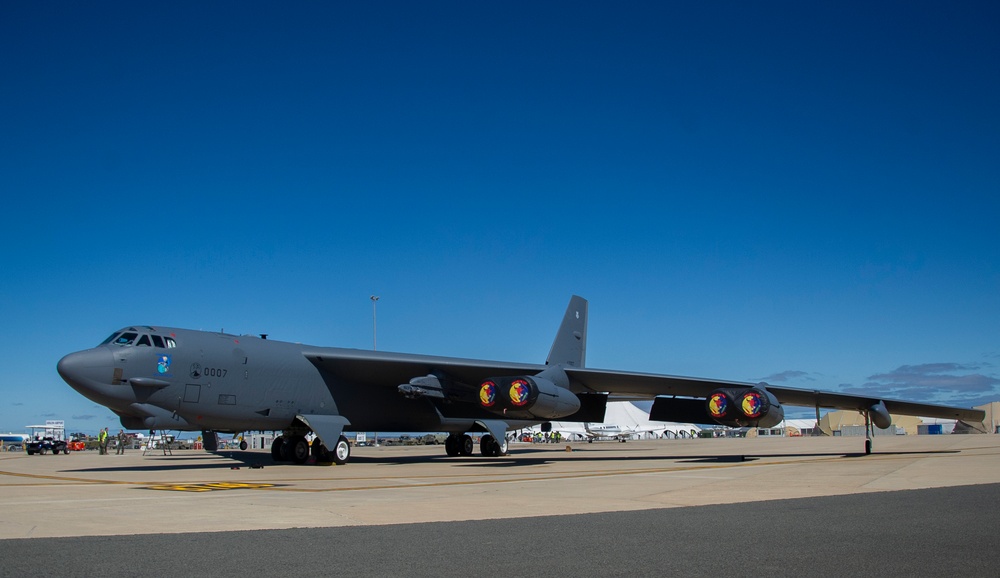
x,y
210,487
58,478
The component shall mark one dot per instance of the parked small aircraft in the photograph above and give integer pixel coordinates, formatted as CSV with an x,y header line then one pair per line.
x,y
622,421
162,378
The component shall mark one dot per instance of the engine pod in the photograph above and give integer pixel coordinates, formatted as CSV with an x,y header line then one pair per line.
x,y
524,397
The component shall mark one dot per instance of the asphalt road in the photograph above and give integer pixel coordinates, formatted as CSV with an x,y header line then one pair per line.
x,y
942,531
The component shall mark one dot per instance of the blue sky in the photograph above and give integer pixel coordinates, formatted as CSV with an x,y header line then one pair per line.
x,y
805,193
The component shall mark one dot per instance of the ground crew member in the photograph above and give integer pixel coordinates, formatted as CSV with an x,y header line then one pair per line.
x,y
121,443
102,442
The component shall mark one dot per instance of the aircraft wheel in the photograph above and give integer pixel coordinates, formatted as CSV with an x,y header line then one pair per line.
x,y
488,446
321,453
298,449
244,445
501,447
465,445
451,445
342,451
276,446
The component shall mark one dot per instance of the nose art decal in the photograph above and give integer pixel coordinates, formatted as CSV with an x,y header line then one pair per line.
x,y
163,365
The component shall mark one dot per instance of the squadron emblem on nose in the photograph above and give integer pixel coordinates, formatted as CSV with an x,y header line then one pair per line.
x,y
195,370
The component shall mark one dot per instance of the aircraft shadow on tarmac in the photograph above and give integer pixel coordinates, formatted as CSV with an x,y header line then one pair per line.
x,y
217,461
522,457
533,457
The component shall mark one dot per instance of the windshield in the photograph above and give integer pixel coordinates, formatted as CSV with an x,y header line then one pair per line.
x,y
131,337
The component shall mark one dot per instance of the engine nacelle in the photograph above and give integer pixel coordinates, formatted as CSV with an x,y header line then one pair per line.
x,y
744,407
524,397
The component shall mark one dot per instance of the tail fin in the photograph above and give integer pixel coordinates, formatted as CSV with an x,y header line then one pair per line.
x,y
570,345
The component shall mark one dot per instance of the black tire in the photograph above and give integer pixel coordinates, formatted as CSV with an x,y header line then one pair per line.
x,y
342,451
466,447
276,446
502,447
488,446
451,445
322,454
298,449
244,445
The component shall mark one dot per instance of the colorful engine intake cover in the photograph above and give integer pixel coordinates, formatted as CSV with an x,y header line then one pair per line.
x,y
519,392
753,404
718,405
488,394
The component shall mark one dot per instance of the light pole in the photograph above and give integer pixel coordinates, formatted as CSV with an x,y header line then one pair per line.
x,y
374,299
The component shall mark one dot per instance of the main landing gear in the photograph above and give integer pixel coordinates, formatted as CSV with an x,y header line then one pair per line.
x,y
295,448
462,445
869,433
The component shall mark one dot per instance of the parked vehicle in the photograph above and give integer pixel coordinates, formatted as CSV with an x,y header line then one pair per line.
x,y
44,445
50,437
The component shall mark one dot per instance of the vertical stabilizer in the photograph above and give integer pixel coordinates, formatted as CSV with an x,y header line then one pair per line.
x,y
570,346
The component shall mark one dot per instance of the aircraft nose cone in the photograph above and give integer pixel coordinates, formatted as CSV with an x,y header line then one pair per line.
x,y
86,369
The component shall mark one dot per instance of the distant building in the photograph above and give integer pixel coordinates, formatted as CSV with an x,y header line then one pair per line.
x,y
992,422
852,423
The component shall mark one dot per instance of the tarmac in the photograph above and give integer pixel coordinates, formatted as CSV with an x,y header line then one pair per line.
x,y
918,506
86,494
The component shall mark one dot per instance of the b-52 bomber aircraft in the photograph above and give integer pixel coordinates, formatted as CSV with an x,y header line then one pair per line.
x,y
178,379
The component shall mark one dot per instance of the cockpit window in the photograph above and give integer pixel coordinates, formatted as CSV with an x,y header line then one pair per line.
x,y
143,340
127,338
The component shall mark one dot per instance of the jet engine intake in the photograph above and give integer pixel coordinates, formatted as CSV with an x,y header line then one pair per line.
x,y
743,407
524,397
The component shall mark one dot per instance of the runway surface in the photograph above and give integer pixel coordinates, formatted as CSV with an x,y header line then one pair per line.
x,y
781,506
